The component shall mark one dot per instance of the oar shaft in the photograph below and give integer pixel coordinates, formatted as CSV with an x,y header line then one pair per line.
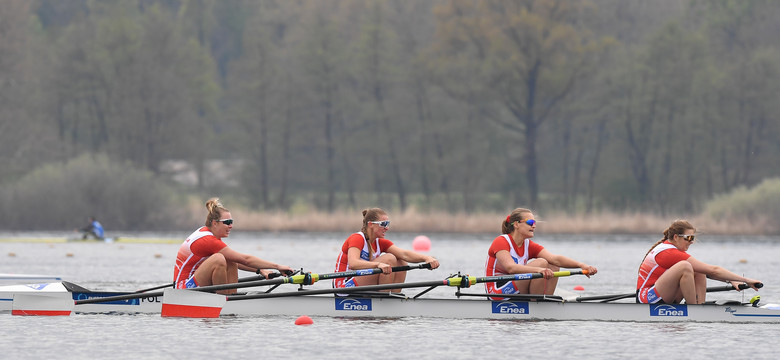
x,y
250,282
373,271
245,279
459,281
340,290
613,297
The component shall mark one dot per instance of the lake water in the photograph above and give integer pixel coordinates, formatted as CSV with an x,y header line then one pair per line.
x,y
120,266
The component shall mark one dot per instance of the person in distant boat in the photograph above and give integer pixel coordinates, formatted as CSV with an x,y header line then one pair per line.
x,y
368,249
668,274
204,259
94,229
515,253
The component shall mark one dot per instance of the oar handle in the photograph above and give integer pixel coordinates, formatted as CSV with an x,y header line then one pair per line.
x,y
275,274
730,287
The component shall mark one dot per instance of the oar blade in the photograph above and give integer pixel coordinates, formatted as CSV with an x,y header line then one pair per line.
x,y
189,303
43,304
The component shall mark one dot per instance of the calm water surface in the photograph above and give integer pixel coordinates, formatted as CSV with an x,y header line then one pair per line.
x,y
133,266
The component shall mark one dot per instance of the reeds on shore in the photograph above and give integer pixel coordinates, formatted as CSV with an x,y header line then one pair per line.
x,y
485,222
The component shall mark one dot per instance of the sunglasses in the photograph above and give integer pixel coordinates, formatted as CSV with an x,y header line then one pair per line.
x,y
226,221
529,222
689,238
383,223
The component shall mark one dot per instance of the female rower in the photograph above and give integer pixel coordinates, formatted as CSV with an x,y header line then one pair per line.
x,y
369,249
515,253
203,258
669,274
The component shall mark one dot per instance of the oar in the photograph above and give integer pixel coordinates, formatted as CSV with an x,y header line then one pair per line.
x,y
304,279
245,279
608,298
459,281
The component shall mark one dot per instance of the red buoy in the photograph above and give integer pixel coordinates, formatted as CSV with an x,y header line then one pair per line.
x,y
303,320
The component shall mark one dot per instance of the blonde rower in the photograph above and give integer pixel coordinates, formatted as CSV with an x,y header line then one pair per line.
x,y
204,259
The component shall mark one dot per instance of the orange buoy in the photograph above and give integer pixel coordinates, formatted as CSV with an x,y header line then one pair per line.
x,y
579,288
303,320
421,243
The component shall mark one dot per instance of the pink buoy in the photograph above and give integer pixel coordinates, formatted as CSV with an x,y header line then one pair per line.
x,y
579,288
421,243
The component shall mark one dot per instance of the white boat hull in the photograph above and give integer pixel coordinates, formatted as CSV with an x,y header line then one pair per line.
x,y
391,307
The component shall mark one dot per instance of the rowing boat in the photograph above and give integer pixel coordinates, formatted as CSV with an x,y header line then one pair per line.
x,y
123,239
460,305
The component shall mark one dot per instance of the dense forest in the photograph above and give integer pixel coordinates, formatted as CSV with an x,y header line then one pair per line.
x,y
456,105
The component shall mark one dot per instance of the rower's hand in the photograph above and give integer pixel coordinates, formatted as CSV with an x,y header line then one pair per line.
x,y
590,269
751,282
547,273
755,284
265,272
284,269
386,269
434,263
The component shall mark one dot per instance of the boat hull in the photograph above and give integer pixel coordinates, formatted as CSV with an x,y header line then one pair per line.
x,y
458,308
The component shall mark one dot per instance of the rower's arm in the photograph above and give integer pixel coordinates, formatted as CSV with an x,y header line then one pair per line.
x,y
508,265
718,273
566,262
250,262
412,256
356,263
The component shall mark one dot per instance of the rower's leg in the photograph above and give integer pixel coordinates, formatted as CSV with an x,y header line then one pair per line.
x,y
538,286
391,278
677,283
380,279
400,277
231,272
701,287
214,271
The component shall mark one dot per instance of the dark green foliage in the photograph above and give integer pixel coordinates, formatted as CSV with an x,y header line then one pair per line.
x,y
62,196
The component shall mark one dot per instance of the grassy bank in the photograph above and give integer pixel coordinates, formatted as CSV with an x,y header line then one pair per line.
x,y
432,222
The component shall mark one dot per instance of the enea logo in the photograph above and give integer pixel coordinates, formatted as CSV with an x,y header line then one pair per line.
x,y
668,310
353,304
510,307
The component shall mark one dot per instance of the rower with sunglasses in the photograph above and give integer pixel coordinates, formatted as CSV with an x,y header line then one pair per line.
x,y
204,259
515,253
668,274
369,249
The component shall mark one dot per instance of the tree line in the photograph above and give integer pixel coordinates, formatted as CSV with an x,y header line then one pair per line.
x,y
464,105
